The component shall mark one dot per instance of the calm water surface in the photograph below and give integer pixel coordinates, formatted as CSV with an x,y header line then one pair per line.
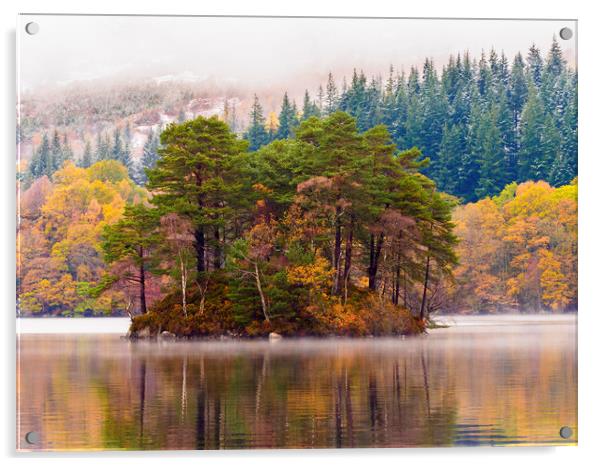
x,y
483,381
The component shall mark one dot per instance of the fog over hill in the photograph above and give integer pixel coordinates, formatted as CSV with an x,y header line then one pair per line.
x,y
89,74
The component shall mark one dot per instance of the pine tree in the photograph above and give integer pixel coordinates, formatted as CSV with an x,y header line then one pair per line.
x,y
99,152
371,115
555,62
354,100
413,122
150,155
469,172
518,89
86,160
271,126
394,107
256,133
484,79
41,163
332,96
117,147
495,69
320,100
126,158
503,75
67,151
451,78
509,139
287,120
197,177
452,151
433,112
309,107
531,158
127,133
535,63
102,149
56,153
567,168
552,157
135,239
488,149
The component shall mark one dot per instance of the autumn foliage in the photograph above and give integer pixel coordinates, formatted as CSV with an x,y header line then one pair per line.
x,y
331,231
328,232
59,257
518,251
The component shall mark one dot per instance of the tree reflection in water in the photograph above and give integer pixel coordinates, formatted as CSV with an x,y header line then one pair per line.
x,y
468,387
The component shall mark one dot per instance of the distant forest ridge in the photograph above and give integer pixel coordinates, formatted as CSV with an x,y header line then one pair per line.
x,y
482,122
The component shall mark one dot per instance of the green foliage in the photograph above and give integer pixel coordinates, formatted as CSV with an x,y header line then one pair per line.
x,y
197,177
256,133
291,230
287,119
150,155
131,241
481,124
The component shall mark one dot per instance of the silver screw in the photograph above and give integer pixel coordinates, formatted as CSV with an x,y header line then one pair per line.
x,y
566,33
32,437
32,28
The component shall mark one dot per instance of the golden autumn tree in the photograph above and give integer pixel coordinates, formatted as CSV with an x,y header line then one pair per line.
x,y
60,260
518,250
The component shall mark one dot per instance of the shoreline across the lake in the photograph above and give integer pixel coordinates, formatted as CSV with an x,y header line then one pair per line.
x,y
120,325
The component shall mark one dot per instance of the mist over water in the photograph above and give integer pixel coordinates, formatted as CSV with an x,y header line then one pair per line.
x,y
484,381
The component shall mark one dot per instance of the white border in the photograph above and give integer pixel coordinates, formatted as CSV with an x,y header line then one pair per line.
x,y
590,157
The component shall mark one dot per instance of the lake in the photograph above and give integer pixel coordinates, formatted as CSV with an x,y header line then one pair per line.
x,y
494,380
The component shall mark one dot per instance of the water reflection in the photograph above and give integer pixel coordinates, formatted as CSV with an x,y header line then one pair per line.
x,y
474,385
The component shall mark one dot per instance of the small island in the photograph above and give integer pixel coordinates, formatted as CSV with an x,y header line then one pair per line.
x,y
325,233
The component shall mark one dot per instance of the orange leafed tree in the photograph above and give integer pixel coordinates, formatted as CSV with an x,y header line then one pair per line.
x,y
518,250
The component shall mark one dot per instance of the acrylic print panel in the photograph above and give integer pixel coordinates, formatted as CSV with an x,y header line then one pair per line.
x,y
242,232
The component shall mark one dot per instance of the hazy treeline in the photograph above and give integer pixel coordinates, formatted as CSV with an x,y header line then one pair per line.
x,y
482,123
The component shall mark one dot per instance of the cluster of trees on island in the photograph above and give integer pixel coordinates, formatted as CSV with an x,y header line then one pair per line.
x,y
281,238
316,221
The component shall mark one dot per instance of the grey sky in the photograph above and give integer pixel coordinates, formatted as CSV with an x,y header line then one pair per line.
x,y
257,51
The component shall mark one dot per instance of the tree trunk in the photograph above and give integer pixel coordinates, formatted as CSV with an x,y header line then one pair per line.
x,y
203,292
217,251
348,254
264,306
371,263
336,257
142,284
397,284
375,250
405,290
426,282
183,280
199,246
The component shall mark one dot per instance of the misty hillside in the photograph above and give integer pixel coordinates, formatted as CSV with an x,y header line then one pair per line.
x,y
82,111
482,122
